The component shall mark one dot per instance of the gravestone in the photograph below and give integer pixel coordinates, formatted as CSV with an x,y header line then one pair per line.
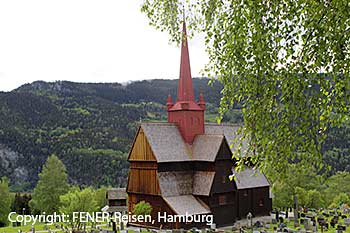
x,y
347,221
307,224
250,219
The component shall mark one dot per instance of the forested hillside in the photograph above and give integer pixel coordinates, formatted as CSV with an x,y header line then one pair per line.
x,y
90,127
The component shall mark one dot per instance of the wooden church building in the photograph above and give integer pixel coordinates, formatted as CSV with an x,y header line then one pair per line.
x,y
183,166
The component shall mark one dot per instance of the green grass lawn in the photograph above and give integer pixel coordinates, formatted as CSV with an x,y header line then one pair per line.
x,y
27,228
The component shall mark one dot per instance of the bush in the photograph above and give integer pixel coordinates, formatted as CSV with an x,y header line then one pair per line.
x,y
142,208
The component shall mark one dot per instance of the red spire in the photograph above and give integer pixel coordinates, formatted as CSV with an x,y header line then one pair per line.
x,y
185,89
186,113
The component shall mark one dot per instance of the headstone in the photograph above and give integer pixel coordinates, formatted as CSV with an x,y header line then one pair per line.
x,y
307,224
213,226
123,231
347,221
314,229
250,219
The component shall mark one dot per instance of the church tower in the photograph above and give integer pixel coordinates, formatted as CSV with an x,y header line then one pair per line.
x,y
186,113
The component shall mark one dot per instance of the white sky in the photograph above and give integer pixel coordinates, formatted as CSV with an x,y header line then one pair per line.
x,y
85,41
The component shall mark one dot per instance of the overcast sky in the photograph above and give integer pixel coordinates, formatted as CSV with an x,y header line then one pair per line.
x,y
85,41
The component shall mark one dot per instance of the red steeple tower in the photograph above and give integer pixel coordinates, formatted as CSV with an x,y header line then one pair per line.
x,y
188,114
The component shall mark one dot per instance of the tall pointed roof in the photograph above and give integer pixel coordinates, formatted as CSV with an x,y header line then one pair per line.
x,y
185,88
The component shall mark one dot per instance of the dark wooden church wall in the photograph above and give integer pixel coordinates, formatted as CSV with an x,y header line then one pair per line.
x,y
224,208
244,202
224,152
223,169
261,204
255,201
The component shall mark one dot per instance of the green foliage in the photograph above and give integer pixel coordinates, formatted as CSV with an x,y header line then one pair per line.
x,y
301,181
269,55
51,185
340,199
5,201
283,195
315,199
21,203
303,198
100,197
337,149
338,183
142,208
313,191
77,200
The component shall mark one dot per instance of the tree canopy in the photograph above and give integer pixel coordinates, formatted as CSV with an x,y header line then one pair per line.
x,y
5,201
77,200
51,185
286,62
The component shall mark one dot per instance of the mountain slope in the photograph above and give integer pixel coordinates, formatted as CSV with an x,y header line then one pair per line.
x,y
89,126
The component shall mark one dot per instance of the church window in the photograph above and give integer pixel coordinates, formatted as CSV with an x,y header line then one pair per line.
x,y
223,179
261,203
222,199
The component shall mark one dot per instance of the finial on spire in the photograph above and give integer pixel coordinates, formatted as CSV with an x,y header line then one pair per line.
x,y
201,101
169,102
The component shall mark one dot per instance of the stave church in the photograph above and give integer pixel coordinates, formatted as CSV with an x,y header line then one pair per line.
x,y
183,166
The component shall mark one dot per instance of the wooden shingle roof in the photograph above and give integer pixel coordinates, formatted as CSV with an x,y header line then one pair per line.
x,y
116,194
250,178
206,147
175,183
166,142
202,182
187,204
168,145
